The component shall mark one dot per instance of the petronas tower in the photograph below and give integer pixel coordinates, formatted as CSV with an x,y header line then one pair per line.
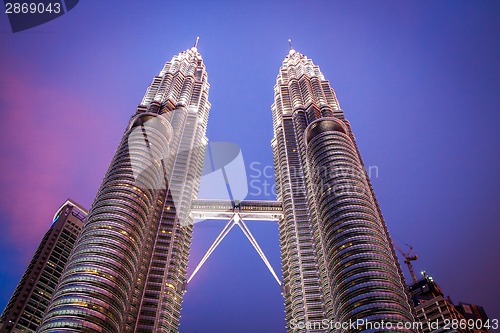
x,y
127,268
337,257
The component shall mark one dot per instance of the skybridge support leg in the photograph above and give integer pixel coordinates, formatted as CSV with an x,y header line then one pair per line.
x,y
235,220
257,248
229,225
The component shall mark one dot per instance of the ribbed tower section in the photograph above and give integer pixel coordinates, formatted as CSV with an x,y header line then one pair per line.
x,y
127,268
337,257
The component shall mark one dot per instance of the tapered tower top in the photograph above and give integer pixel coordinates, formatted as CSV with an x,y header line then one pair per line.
x,y
182,81
300,85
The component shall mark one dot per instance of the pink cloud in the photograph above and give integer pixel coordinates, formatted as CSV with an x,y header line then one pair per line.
x,y
51,149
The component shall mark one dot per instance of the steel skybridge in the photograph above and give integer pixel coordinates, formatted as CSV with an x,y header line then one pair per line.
x,y
236,213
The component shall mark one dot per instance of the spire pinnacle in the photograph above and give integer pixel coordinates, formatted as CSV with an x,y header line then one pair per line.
x,y
196,43
292,50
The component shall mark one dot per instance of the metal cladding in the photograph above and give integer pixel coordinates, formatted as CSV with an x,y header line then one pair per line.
x,y
127,269
337,256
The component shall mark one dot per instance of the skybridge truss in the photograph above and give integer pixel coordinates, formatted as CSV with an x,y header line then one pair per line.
x,y
236,213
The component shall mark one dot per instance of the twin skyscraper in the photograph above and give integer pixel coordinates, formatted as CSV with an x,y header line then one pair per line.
x,y
127,269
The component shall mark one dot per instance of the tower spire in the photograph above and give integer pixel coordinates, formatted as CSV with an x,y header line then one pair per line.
x,y
196,43
290,43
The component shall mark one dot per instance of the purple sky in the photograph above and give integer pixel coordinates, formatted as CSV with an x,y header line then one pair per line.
x,y
418,81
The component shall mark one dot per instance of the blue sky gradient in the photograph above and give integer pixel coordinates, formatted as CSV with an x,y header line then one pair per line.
x,y
418,80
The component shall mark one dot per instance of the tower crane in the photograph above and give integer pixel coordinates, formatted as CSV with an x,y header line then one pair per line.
x,y
409,257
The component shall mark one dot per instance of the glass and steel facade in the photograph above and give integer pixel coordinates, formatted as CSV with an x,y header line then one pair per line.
x,y
26,307
127,269
337,257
